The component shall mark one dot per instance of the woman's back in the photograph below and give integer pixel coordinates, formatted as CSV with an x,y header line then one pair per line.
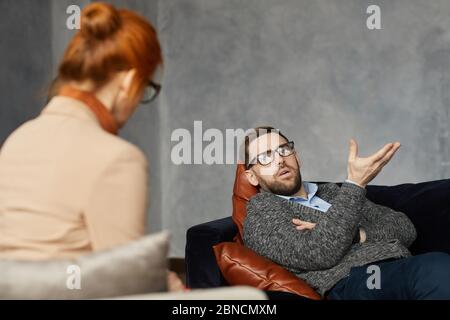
x,y
67,187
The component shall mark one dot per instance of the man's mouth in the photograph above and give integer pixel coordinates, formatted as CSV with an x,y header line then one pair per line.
x,y
284,173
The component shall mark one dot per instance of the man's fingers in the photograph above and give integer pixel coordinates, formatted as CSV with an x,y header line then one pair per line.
x,y
382,152
301,225
353,150
298,221
308,226
388,156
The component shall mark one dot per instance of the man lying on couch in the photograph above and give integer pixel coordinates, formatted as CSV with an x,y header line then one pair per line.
x,y
333,237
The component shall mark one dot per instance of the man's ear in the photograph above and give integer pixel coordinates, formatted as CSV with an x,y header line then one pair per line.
x,y
299,162
251,177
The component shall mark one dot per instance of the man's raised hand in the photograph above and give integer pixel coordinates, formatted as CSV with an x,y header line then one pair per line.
x,y
363,170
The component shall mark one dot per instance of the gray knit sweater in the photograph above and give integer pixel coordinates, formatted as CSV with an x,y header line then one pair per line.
x,y
324,255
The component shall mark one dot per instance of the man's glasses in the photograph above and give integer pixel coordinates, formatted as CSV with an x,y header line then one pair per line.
x,y
151,91
267,157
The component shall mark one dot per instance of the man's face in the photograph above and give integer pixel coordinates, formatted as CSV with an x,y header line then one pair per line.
x,y
282,176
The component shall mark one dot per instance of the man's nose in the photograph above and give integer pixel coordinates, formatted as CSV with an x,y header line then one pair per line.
x,y
279,160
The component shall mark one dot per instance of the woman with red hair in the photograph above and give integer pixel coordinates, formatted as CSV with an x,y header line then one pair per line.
x,y
68,184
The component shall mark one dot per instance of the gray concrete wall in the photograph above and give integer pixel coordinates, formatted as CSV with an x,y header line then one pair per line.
x,y
310,68
25,59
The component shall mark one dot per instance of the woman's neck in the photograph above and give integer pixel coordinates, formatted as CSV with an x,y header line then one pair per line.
x,y
105,94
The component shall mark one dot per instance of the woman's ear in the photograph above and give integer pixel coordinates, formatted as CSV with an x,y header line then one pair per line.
x,y
251,177
123,104
126,82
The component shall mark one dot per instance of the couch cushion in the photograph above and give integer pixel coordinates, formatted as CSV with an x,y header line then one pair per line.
x,y
138,267
427,205
242,266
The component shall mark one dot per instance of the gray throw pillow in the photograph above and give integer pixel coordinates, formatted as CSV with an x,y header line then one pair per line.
x,y
134,268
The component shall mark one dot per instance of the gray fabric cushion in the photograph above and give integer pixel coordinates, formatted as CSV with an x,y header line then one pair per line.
x,y
138,267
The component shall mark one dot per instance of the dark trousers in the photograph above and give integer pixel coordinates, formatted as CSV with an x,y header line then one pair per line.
x,y
425,276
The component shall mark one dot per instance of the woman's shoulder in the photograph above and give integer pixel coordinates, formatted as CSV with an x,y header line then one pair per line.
x,y
121,150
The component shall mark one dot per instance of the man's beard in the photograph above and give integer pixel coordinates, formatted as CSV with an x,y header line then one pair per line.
x,y
280,188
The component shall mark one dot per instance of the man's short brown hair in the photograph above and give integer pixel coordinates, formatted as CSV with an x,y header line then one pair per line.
x,y
255,133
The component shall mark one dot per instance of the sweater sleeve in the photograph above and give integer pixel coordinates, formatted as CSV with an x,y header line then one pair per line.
x,y
269,231
383,223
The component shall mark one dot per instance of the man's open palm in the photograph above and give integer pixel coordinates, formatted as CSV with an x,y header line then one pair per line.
x,y
363,170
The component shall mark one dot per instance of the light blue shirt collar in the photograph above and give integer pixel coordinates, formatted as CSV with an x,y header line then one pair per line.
x,y
313,201
310,189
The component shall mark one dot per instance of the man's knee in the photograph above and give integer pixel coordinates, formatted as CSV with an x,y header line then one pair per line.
x,y
430,272
433,263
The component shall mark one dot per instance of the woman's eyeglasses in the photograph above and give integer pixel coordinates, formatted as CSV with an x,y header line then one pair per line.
x,y
267,157
151,91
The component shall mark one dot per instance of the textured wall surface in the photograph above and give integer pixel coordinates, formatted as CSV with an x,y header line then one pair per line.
x,y
314,70
310,68
25,59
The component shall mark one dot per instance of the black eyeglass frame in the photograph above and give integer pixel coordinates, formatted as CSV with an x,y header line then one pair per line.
x,y
277,150
156,87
